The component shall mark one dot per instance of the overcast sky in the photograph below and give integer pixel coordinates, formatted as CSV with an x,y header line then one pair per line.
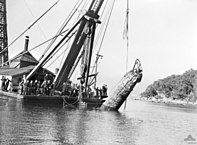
x,y
162,34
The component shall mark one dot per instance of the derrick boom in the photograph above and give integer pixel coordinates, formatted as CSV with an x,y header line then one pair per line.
x,y
86,27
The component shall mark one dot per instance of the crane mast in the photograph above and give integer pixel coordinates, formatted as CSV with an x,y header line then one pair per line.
x,y
3,32
86,30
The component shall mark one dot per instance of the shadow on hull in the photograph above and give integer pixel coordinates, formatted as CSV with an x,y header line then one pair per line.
x,y
62,101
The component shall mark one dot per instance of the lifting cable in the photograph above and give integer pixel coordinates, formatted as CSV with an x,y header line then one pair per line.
x,y
42,32
126,36
63,53
126,33
107,24
85,3
69,37
61,63
107,18
98,37
29,27
105,28
71,14
83,8
33,48
101,28
69,104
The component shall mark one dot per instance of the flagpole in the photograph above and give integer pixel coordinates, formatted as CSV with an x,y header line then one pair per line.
x,y
127,33
127,38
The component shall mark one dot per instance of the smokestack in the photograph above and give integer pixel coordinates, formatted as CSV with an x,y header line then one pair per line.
x,y
26,43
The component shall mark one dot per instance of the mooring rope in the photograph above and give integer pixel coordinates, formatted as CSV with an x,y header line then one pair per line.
x,y
69,104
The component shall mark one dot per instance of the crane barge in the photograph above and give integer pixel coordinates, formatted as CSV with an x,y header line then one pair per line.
x,y
81,49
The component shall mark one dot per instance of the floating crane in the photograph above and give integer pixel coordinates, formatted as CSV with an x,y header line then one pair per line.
x,y
82,48
85,35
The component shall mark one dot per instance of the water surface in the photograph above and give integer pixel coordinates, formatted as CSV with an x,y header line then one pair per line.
x,y
141,123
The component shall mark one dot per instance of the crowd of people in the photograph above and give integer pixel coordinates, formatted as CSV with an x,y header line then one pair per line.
x,y
70,89
37,87
73,90
101,91
6,84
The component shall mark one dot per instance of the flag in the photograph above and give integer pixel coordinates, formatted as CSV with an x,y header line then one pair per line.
x,y
126,26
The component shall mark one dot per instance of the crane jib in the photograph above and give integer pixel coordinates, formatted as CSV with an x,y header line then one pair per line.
x,y
87,24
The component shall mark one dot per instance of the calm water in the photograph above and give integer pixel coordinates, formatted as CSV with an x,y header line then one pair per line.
x,y
141,124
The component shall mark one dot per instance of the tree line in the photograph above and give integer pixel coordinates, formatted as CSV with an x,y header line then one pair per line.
x,y
174,86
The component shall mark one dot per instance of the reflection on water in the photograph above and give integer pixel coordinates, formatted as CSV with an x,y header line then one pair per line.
x,y
141,124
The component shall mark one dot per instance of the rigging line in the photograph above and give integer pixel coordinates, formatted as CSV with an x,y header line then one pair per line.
x,y
29,27
79,15
33,48
85,3
95,66
63,53
101,28
52,51
73,50
99,33
70,104
83,7
69,37
42,32
126,30
126,33
73,11
106,27
104,8
76,64
68,45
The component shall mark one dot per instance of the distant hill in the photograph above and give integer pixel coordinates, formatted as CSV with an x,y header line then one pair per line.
x,y
175,87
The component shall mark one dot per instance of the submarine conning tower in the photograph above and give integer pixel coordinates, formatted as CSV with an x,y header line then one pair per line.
x,y
124,88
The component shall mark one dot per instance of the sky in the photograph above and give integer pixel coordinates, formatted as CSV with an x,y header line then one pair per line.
x,y
162,34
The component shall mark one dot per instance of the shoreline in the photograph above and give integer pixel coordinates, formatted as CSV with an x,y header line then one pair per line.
x,y
170,102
